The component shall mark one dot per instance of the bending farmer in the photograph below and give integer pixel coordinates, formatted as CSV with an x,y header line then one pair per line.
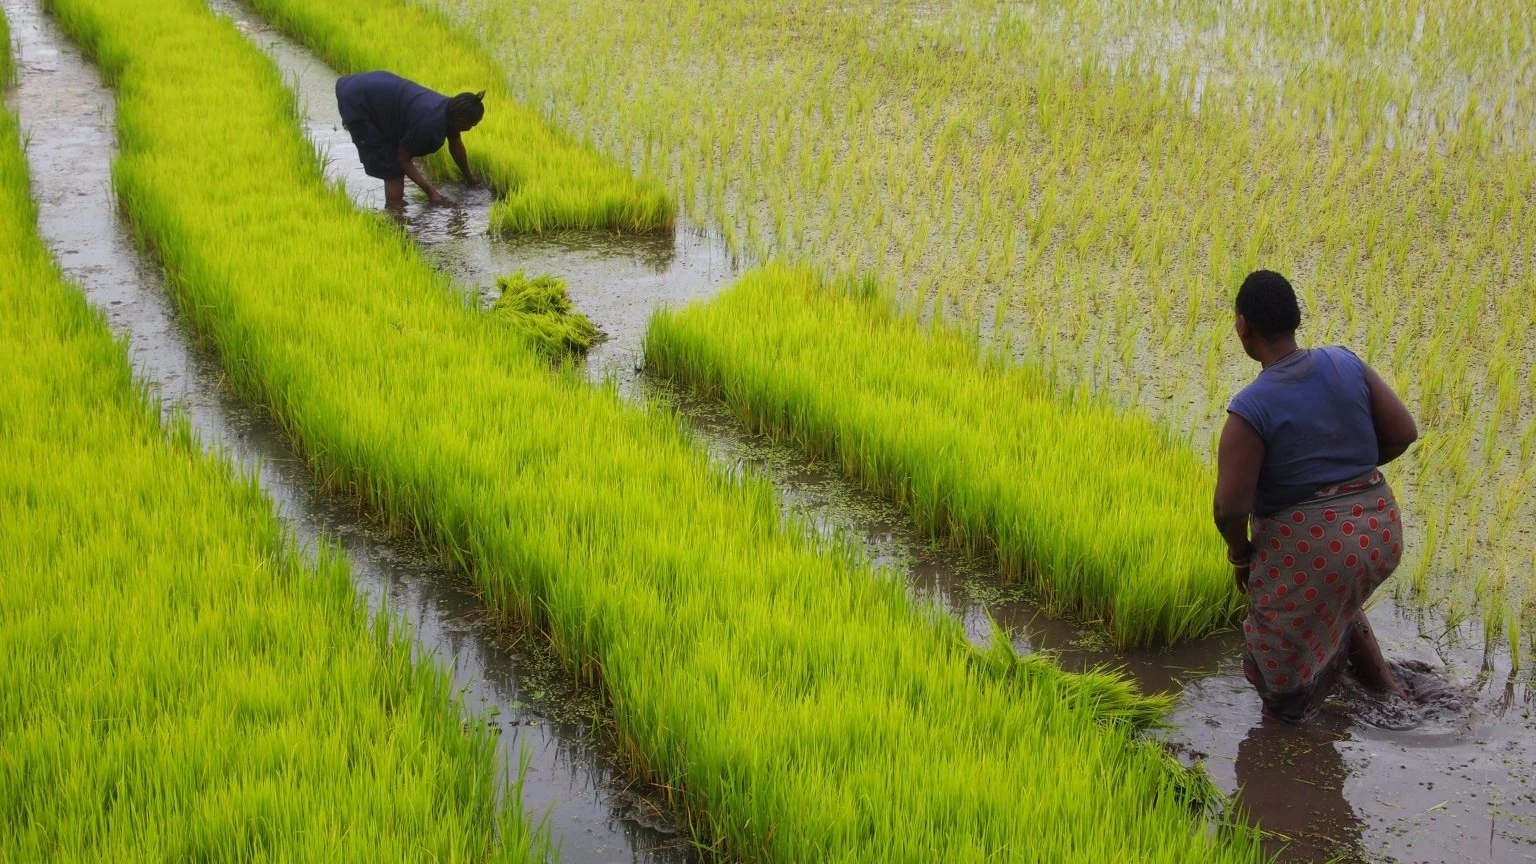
x,y
392,121
1298,464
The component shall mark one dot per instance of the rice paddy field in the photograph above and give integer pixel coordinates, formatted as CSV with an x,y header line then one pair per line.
x,y
820,396
1085,183
689,585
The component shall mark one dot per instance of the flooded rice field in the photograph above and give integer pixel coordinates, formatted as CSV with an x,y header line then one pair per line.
x,y
1450,779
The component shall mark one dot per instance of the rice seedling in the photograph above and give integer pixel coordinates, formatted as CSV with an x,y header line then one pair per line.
x,y
548,180
540,306
799,706
1378,154
176,683
1102,512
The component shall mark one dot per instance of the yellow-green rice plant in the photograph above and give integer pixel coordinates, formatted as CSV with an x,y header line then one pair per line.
x,y
548,180
541,307
1096,506
176,684
799,706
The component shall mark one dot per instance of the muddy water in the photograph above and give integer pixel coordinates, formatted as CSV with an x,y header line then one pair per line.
x,y
1448,782
513,682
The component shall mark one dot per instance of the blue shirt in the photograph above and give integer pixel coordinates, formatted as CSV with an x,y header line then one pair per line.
x,y
404,113
1313,411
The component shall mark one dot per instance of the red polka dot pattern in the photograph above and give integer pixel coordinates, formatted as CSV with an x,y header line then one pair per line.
x,y
1331,558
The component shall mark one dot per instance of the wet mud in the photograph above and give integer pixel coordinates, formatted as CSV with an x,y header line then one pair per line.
x,y
1448,779
510,679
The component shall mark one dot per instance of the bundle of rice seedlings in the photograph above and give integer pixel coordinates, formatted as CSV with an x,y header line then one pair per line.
x,y
541,308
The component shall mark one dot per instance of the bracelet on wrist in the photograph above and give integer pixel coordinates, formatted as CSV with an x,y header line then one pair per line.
x,y
1240,559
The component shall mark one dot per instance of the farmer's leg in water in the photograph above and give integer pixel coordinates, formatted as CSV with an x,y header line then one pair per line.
x,y
1365,658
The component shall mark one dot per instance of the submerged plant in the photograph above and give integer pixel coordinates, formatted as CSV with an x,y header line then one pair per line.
x,y
541,308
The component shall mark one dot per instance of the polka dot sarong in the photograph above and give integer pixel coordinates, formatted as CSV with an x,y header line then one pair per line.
x,y
1313,566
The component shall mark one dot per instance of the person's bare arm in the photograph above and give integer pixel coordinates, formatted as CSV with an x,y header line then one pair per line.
x,y
1239,457
1395,429
408,165
461,159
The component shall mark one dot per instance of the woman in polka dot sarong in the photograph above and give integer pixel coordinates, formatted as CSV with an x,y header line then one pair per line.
x,y
1297,466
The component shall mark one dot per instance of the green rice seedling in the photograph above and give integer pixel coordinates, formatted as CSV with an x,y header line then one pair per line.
x,y
540,306
176,683
1099,509
548,181
796,704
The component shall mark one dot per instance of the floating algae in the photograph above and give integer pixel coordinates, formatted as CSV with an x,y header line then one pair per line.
x,y
541,308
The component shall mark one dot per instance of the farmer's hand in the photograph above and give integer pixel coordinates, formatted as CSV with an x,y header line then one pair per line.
x,y
1239,559
471,180
438,198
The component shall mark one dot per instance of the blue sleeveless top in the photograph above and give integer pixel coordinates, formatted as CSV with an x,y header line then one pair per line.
x,y
1313,411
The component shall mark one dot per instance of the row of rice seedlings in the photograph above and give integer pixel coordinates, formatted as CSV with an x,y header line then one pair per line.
x,y
7,64
798,706
175,682
549,181
541,305
1099,198
1103,512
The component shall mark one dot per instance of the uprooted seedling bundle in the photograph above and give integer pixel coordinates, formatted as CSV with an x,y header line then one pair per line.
x,y
540,308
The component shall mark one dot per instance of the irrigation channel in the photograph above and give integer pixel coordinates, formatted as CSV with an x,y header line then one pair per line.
x,y
1457,785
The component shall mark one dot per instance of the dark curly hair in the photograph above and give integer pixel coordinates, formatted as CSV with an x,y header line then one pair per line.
x,y
1269,303
466,108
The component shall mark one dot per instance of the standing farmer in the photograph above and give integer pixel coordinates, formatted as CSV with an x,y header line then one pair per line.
x,y
392,121
1298,464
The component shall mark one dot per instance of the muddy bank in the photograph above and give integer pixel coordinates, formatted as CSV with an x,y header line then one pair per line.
x,y
1455,786
510,679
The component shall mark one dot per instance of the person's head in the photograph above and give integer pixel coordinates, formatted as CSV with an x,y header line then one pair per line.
x,y
465,110
1267,311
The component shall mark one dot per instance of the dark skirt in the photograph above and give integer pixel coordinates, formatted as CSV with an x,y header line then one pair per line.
x,y
1313,567
376,152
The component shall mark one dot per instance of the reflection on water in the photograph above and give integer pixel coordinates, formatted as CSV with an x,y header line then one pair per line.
x,y
1295,777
